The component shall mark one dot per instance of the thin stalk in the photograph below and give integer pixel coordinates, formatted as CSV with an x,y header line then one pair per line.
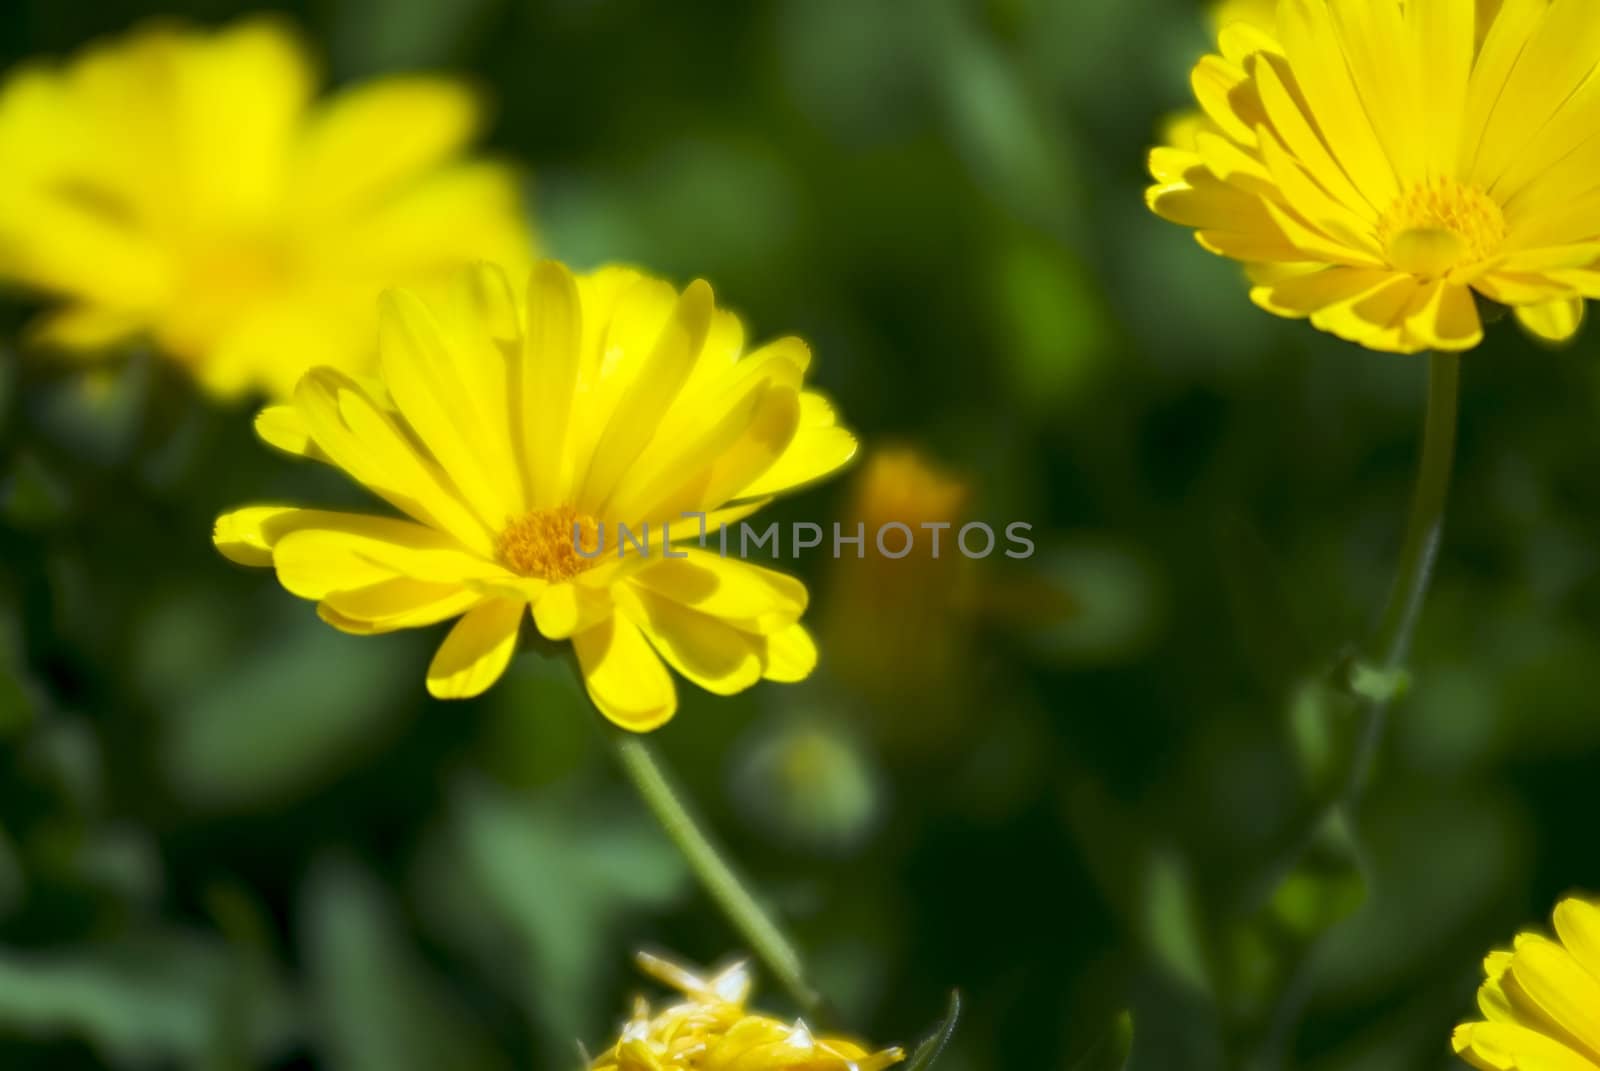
x,y
754,924
1392,641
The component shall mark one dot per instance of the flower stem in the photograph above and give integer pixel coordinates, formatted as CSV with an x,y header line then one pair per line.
x,y
1388,648
1392,641
732,895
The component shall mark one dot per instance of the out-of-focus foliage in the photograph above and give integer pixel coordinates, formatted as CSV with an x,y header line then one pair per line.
x,y
232,838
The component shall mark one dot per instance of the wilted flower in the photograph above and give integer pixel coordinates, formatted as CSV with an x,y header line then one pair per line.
x,y
185,185
1378,162
1541,1000
519,436
711,1030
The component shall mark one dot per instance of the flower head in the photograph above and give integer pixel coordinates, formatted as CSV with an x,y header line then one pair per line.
x,y
711,1030
185,185
1377,162
518,437
897,617
1541,1000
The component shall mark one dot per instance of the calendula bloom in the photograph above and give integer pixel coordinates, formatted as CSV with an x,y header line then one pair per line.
x,y
186,186
1541,1000
712,1030
519,438
1377,162
898,617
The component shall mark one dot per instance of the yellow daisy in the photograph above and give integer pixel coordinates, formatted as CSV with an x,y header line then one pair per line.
x,y
185,185
518,437
711,1030
1541,1000
1376,162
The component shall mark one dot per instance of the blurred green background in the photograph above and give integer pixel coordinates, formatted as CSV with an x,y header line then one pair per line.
x,y
233,838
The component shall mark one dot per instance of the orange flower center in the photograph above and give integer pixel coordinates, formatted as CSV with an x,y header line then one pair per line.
x,y
1441,225
545,543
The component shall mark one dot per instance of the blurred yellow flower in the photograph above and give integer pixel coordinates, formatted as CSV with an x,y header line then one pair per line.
x,y
1377,162
518,435
711,1030
183,184
1541,1000
898,629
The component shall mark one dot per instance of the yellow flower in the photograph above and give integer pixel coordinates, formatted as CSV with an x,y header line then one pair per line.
x,y
1541,1000
897,623
518,436
1377,162
183,184
712,1031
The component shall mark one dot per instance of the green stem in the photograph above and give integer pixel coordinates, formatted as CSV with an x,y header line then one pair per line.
x,y
1392,641
718,878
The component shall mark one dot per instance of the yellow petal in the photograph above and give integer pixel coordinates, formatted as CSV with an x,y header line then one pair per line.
x,y
711,653
453,394
647,397
1552,321
1298,133
1304,294
624,677
1578,924
366,140
1325,81
87,327
549,374
354,553
819,448
1559,987
1506,1047
358,436
247,535
749,596
564,609
283,427
477,650
725,460
1449,320
455,216
395,604
790,656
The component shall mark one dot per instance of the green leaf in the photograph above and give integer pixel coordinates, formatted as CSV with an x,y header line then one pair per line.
x,y
1328,883
381,1009
539,891
286,716
1172,921
1110,1051
932,1048
1376,684
150,1000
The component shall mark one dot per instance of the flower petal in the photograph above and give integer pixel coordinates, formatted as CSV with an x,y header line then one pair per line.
x,y
1506,1047
711,653
477,650
364,141
1559,987
624,677
790,656
395,604
1552,321
745,595
1578,924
